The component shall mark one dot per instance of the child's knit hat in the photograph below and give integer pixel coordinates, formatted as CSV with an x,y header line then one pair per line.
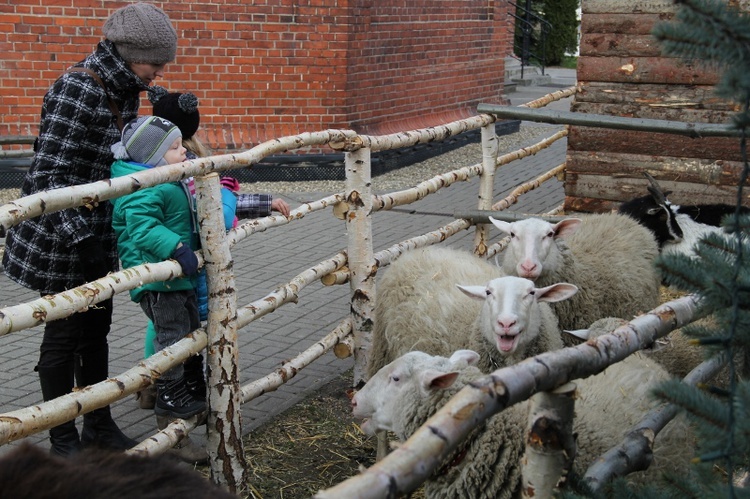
x,y
179,108
142,33
146,140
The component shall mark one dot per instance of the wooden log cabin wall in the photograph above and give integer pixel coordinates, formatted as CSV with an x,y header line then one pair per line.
x,y
622,72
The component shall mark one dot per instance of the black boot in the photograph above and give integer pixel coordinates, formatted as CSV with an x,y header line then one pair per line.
x,y
195,377
173,400
57,381
99,429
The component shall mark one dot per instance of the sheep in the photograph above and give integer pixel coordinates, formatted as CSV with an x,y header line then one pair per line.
x,y
676,228
28,471
419,306
409,390
610,257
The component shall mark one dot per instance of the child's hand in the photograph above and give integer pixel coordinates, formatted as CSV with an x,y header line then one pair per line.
x,y
281,206
187,260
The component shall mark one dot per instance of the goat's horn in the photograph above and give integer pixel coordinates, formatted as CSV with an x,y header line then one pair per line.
x,y
655,189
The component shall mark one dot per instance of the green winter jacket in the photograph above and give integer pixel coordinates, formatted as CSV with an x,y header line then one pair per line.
x,y
150,223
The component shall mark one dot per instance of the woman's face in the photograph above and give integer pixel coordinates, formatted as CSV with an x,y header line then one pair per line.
x,y
147,72
176,152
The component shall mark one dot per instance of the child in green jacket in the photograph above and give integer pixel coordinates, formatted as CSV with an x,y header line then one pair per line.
x,y
152,225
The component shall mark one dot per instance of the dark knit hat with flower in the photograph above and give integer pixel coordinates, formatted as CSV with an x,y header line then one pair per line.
x,y
177,107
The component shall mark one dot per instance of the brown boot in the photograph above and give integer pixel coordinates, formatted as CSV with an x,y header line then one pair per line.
x,y
186,450
146,398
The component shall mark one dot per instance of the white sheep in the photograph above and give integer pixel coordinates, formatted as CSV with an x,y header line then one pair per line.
x,y
405,393
419,306
610,257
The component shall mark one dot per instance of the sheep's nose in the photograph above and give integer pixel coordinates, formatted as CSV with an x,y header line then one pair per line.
x,y
506,324
528,266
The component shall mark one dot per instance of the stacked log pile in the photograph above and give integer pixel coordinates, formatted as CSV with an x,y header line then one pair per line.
x,y
622,72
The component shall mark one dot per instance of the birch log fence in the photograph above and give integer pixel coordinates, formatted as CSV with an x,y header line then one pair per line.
x,y
357,266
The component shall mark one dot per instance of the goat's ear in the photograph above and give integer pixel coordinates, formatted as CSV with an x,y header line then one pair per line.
x,y
567,227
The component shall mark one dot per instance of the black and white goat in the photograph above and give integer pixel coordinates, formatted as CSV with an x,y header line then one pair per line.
x,y
676,228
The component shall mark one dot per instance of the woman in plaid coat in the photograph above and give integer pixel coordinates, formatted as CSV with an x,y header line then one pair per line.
x,y
64,249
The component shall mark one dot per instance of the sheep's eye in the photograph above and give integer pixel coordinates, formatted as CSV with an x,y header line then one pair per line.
x,y
551,233
395,378
488,292
532,292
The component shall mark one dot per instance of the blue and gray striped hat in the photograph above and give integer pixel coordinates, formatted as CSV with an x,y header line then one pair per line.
x,y
146,140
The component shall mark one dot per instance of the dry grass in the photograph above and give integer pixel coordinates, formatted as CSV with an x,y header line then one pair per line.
x,y
310,447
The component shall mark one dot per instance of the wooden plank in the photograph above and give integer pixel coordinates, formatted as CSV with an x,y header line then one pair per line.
x,y
641,6
626,24
619,45
619,190
643,70
573,205
657,144
654,95
632,166
630,7
636,110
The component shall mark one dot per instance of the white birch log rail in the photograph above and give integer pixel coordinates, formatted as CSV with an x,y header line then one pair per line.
x,y
404,469
552,97
90,194
167,438
615,122
250,227
24,422
274,380
633,453
52,307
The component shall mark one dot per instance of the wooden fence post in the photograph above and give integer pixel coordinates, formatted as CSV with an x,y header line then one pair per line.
x,y
550,444
225,450
486,184
361,262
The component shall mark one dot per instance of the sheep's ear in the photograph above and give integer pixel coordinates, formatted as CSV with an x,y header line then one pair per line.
x,y
436,380
556,292
581,334
464,357
567,227
503,226
478,292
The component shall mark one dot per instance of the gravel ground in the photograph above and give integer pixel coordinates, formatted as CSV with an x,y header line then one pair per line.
x,y
395,180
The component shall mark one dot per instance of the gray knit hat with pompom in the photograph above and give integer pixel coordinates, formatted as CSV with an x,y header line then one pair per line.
x,y
142,33
146,140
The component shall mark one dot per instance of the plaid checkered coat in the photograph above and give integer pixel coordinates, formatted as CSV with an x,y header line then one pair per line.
x,y
76,131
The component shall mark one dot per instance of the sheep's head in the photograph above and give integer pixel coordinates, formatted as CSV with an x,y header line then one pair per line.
x,y
406,381
532,251
509,317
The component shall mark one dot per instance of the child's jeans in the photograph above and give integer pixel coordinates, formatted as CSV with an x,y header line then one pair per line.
x,y
175,315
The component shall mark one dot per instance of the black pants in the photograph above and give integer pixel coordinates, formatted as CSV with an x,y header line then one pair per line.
x,y
82,335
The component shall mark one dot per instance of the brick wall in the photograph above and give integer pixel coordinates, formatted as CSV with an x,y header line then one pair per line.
x,y
271,68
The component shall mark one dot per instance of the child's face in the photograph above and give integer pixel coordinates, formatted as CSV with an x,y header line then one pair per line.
x,y
176,152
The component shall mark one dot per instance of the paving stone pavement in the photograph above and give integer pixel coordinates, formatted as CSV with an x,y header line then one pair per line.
x,y
268,259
